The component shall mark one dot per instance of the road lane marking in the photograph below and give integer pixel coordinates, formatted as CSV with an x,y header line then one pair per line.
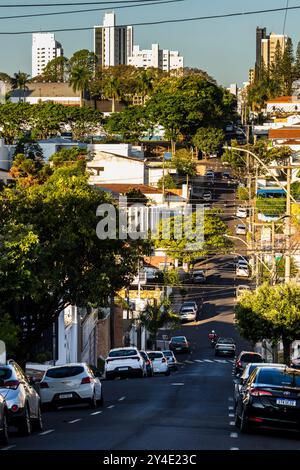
x,y
222,361
198,360
208,360
46,432
177,383
234,435
8,447
231,415
122,398
111,406
231,408
234,448
230,398
189,362
231,423
96,413
74,421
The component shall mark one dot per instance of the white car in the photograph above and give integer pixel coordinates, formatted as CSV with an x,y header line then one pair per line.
x,y
160,362
71,384
125,362
207,196
242,269
198,276
188,313
209,174
240,229
242,212
190,303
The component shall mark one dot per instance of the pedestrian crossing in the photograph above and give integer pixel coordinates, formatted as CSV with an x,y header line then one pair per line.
x,y
207,361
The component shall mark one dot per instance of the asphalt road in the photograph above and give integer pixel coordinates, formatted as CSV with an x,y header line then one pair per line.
x,y
192,409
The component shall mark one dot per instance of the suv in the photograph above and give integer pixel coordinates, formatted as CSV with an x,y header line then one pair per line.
x,y
179,344
225,346
23,402
245,358
126,362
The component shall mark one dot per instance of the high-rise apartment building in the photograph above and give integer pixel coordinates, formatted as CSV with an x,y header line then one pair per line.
x,y
44,49
266,47
112,44
261,33
155,57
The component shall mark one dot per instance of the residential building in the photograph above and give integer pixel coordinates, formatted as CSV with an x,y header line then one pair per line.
x,y
233,89
112,43
38,92
266,47
44,49
155,57
261,33
283,105
251,76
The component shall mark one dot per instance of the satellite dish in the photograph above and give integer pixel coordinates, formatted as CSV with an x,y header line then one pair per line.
x,y
2,352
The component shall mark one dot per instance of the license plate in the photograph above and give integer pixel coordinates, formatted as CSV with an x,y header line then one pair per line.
x,y
66,395
123,368
178,349
285,402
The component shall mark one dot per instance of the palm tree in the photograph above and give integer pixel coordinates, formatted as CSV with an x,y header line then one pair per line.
x,y
157,316
144,84
19,82
112,90
79,80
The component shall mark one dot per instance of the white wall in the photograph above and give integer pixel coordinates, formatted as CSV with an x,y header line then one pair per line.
x,y
125,150
67,100
116,169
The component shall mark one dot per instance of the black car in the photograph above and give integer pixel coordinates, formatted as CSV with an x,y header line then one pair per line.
x,y
270,398
244,358
3,421
179,344
148,362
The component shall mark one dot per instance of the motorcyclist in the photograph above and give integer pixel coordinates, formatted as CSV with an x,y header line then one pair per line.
x,y
213,336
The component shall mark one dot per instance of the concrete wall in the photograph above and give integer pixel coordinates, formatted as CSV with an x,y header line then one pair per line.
x,y
116,169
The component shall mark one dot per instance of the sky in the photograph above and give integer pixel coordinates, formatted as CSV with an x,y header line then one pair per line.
x,y
225,48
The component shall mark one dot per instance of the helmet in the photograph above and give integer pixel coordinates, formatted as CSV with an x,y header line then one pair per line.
x,y
213,331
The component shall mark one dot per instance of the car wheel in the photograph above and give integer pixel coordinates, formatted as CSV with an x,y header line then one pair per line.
x,y
93,402
25,428
244,423
167,373
101,401
4,432
237,419
37,424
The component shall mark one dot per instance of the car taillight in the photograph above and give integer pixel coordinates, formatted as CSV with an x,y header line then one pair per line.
x,y
12,384
148,362
44,385
86,380
164,359
256,392
14,408
239,364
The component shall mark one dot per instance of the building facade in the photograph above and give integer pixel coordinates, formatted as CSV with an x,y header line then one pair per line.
x,y
112,44
44,49
266,47
155,57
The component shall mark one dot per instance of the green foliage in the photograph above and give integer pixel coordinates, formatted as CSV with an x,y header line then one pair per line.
x,y
156,316
242,194
9,333
167,181
209,140
135,196
130,123
295,190
271,206
57,70
171,278
271,312
184,163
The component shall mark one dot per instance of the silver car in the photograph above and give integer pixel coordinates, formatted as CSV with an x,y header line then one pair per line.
x,y
172,361
23,402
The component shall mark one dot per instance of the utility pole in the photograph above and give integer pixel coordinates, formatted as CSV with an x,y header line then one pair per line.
x,y
288,227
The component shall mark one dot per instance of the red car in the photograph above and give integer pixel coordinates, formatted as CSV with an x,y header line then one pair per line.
x,y
179,344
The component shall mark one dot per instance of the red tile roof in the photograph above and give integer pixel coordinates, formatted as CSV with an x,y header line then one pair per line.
x,y
125,187
285,133
284,99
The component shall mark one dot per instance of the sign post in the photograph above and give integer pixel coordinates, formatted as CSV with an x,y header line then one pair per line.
x,y
2,352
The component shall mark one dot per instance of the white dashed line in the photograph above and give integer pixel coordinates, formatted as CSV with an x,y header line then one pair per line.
x,y
230,399
231,415
207,360
46,432
96,413
234,448
122,398
198,360
222,361
9,447
230,408
74,421
189,362
231,423
177,383
234,435
111,406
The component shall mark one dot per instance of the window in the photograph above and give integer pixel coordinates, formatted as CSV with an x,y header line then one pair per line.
x,y
123,353
63,372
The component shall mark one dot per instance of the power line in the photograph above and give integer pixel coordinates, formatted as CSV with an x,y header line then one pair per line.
x,y
158,22
31,15
285,15
34,5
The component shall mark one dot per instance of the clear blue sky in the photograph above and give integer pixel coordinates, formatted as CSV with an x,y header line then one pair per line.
x,y
225,48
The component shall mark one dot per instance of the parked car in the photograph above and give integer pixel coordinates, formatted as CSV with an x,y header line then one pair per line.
x,y
160,362
210,174
71,384
295,364
198,276
242,212
240,229
3,420
179,344
172,361
270,397
191,303
188,313
23,402
242,269
242,379
125,362
207,196
244,358
225,347
226,175
148,362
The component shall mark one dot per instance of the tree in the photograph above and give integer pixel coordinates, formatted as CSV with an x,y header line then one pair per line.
x,y
4,77
112,90
50,255
144,84
9,333
209,140
130,123
184,163
297,64
79,80
167,182
57,70
83,59
19,82
135,196
83,121
15,119
157,316
46,120
271,312
287,67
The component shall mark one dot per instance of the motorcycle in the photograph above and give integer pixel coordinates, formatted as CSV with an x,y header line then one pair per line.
x,y
213,341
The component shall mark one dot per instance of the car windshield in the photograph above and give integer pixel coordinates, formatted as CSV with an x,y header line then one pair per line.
x,y
251,357
63,372
168,353
279,377
123,353
225,341
189,304
5,373
178,339
143,354
155,355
